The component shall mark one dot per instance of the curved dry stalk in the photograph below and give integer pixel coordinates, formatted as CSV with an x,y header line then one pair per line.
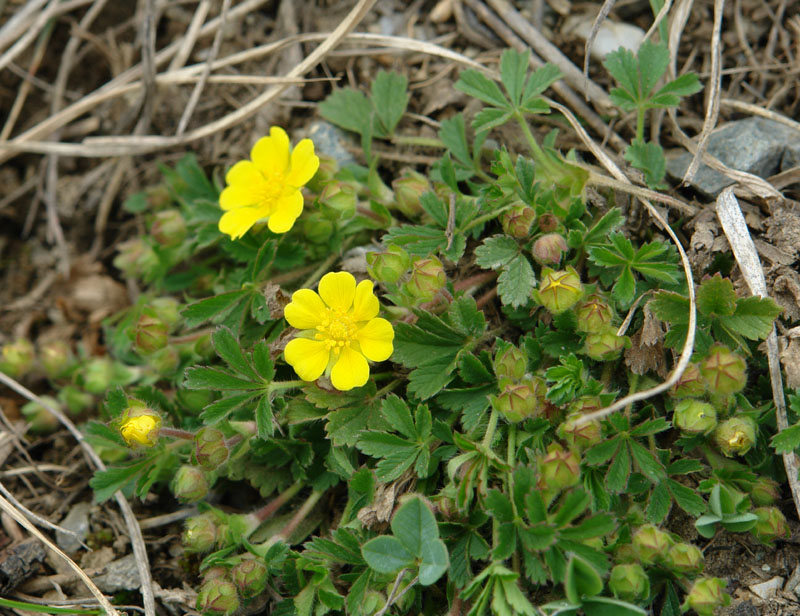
x,y
598,21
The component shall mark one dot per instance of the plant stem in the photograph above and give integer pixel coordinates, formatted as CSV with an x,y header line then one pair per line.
x,y
428,142
393,593
270,508
323,267
177,433
640,124
298,517
538,153
490,429
281,385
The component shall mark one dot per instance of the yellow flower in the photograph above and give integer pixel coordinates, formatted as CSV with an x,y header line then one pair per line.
x,y
267,186
341,331
141,429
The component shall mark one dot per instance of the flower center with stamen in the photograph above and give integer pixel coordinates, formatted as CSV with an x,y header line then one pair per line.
x,y
336,330
271,187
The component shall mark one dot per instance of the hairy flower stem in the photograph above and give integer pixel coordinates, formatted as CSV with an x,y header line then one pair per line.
x,y
490,429
428,142
640,124
270,508
536,151
281,385
298,517
177,433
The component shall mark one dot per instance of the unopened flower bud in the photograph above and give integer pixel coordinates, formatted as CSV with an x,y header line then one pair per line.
x,y
56,358
200,533
204,347
593,314
548,222
388,266
695,417
651,544
217,572
139,425
194,400
510,362
579,435
771,525
629,582
318,229
328,168
706,595
210,449
764,492
168,309
217,597
558,469
165,361
76,401
724,371
98,374
690,385
735,436
189,484
427,278
168,228
517,221
16,358
519,401
40,420
408,189
340,196
559,291
549,249
250,577
136,258
605,345
151,333
586,404
684,558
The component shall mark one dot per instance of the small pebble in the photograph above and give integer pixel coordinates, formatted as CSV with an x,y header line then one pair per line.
x,y
766,568
77,520
768,589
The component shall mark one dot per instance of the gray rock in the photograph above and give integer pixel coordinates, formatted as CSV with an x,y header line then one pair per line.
x,y
77,520
756,145
120,574
767,590
329,141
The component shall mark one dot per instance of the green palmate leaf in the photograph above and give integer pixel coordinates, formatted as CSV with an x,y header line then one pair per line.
x,y
515,283
489,118
476,84
787,440
414,525
229,350
581,580
624,68
753,317
647,463
200,377
348,109
658,505
434,562
217,411
106,483
265,427
619,471
496,251
200,312
670,94
537,83
386,554
649,159
653,61
448,173
389,98
716,297
513,67
453,134
670,307
687,499
398,415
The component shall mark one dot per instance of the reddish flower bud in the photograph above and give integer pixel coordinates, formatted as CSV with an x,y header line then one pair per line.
x,y
388,266
427,279
594,314
168,228
690,385
771,525
558,469
519,401
151,333
408,189
724,371
511,362
218,597
517,221
549,249
605,345
210,449
250,577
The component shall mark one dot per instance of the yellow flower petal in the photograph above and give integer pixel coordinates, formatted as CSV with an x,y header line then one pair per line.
x,y
304,164
271,154
350,370
309,358
238,222
285,212
365,304
239,195
375,339
244,172
337,289
141,430
305,311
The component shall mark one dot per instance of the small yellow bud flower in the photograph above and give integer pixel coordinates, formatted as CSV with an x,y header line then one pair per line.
x,y
141,429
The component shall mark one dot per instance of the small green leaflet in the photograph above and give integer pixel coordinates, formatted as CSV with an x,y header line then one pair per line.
x,y
516,278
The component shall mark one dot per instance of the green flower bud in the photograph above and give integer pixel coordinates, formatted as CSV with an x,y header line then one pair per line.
x,y
204,347
765,491
548,222
40,420
328,168
98,373
17,358
151,333
735,436
168,228
558,469
388,266
427,278
684,558
56,358
651,544
510,363
408,189
378,190
341,197
517,221
549,249
695,417
771,525
199,533
210,449
690,385
580,436
217,597
724,371
75,400
559,291
586,404
605,345
519,401
705,596
318,229
250,577
629,582
189,484
168,309
594,314
136,258
194,401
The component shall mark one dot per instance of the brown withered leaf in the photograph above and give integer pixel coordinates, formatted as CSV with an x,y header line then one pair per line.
x,y
653,330
277,299
642,358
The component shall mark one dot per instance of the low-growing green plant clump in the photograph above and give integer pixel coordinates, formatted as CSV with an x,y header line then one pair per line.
x,y
417,414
